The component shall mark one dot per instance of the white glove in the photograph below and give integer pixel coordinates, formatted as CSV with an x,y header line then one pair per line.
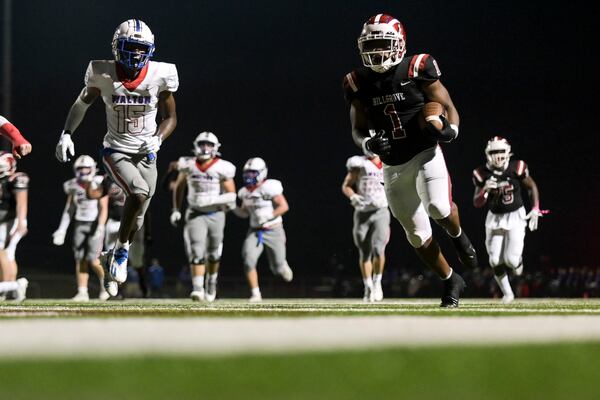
x,y
58,237
175,217
533,216
152,146
490,184
357,201
65,147
263,219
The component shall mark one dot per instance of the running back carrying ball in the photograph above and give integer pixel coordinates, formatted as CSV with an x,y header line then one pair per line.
x,y
431,113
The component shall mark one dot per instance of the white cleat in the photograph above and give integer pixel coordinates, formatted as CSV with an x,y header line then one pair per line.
x,y
116,261
211,291
255,298
81,296
368,296
377,291
508,298
286,272
103,296
197,295
22,289
112,287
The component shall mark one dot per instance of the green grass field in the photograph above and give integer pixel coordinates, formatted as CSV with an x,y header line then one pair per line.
x,y
560,369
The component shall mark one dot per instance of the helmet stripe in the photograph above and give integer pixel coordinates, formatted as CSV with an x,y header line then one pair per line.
x,y
377,18
138,26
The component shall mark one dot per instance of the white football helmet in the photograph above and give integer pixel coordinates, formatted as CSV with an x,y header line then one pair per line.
x,y
8,164
84,166
497,153
255,171
382,42
133,44
206,145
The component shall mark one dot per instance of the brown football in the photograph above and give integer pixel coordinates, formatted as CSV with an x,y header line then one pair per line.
x,y
430,113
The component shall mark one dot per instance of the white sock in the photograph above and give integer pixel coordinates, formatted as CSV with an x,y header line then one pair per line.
x,y
198,283
123,245
377,278
459,232
256,291
212,278
504,284
82,289
368,282
8,286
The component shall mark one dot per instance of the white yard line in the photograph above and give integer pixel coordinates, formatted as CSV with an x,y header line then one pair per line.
x,y
221,336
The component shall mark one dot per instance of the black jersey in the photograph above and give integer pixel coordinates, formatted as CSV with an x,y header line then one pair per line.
x,y
392,101
8,186
507,197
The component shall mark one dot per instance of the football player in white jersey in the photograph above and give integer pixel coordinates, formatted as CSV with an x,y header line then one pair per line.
x,y
263,201
498,184
210,192
371,230
13,224
134,90
21,146
88,232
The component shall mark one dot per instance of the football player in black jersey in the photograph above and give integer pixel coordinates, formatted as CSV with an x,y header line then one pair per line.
x,y
14,187
498,184
386,97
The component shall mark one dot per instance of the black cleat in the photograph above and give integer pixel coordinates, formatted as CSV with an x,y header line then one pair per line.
x,y
465,250
453,287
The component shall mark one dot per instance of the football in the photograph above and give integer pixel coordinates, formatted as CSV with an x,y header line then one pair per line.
x,y
431,113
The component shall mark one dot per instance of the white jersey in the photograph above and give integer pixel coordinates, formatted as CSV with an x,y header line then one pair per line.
x,y
205,181
86,210
369,184
259,202
131,111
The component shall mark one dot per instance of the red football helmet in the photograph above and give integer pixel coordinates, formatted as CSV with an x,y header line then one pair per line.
x,y
8,164
382,42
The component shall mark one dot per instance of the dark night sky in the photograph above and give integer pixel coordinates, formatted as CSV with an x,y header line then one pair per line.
x,y
266,78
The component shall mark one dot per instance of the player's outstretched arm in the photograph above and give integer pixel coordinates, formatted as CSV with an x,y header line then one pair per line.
x,y
65,147
534,198
21,146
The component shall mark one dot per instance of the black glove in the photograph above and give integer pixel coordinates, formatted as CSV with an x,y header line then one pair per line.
x,y
444,135
379,144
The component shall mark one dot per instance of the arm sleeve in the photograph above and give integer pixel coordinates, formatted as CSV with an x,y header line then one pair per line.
x,y
273,188
354,163
228,171
350,86
478,178
522,169
171,79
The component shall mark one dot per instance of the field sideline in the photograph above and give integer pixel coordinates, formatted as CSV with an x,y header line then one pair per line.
x,y
300,349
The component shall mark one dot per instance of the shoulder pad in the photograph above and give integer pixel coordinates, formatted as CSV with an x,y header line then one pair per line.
x,y
478,176
272,187
350,86
185,164
168,73
521,169
423,67
227,169
97,70
355,162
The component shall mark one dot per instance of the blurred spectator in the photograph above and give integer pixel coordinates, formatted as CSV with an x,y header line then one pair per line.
x,y
156,279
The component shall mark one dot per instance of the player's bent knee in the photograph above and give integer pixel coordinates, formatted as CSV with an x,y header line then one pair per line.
x,y
249,268
494,261
378,251
197,261
438,210
512,261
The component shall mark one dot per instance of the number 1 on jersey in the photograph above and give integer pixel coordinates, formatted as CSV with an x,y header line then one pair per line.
x,y
398,132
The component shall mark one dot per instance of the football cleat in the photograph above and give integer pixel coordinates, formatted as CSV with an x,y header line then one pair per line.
x,y
453,287
112,288
255,298
81,296
286,272
21,289
377,291
465,251
211,291
104,295
368,295
117,264
508,298
197,295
